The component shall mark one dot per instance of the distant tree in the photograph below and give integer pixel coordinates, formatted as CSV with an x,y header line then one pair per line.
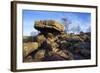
x,y
34,33
76,29
81,33
66,23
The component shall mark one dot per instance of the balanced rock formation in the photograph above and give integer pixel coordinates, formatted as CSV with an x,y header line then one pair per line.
x,y
49,26
53,44
46,46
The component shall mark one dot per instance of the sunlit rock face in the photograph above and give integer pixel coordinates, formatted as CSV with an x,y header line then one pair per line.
x,y
53,44
49,26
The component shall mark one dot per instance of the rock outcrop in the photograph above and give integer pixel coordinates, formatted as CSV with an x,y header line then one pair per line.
x,y
49,26
53,44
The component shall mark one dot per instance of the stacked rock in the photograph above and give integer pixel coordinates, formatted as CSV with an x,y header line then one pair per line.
x,y
48,42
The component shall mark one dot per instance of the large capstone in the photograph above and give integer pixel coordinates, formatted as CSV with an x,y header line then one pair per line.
x,y
49,26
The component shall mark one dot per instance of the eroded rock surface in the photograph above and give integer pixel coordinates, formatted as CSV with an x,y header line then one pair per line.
x,y
53,44
49,26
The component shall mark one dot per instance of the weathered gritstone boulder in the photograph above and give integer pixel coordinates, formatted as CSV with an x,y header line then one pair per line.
x,y
29,48
49,26
39,55
75,39
65,54
28,59
53,44
40,39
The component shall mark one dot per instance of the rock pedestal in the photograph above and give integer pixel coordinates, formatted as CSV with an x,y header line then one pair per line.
x,y
53,44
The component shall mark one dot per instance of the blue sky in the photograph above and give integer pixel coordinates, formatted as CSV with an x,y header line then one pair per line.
x,y
76,18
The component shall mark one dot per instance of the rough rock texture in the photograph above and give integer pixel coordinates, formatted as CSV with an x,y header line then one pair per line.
x,y
29,47
49,26
53,44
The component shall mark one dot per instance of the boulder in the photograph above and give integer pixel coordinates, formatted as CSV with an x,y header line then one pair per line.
x,y
39,55
53,44
29,48
49,26
65,54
